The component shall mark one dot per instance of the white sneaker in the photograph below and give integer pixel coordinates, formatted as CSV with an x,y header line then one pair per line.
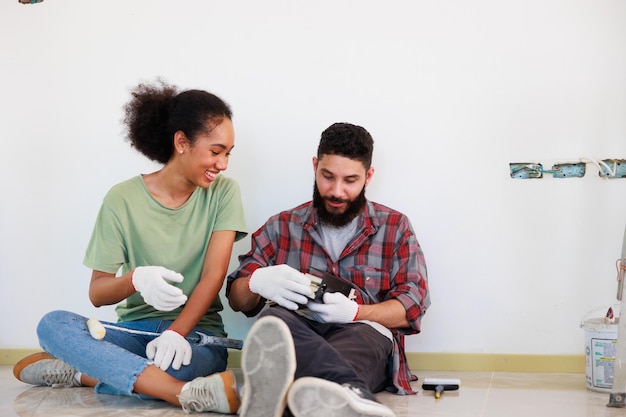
x,y
268,361
217,392
315,397
43,369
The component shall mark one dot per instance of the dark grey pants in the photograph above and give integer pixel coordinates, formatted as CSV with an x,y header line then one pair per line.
x,y
353,353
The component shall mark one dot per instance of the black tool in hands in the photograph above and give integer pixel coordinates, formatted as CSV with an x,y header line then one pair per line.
x,y
328,283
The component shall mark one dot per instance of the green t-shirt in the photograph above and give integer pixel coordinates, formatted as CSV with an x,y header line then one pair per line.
x,y
133,229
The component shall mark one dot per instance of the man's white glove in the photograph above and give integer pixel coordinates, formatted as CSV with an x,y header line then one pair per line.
x,y
169,349
282,284
151,282
337,308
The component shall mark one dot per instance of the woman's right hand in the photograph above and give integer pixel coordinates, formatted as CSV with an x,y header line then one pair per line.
x,y
152,283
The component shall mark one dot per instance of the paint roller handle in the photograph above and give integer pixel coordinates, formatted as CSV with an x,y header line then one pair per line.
x,y
206,340
200,340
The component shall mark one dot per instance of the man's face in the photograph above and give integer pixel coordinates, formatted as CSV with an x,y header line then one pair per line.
x,y
339,192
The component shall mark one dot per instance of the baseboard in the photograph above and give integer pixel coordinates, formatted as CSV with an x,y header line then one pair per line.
x,y
485,362
496,362
479,362
12,356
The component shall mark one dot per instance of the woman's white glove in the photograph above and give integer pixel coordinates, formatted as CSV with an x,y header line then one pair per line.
x,y
337,308
169,349
151,282
282,284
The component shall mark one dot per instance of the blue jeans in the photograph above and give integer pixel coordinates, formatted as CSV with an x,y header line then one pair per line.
x,y
120,357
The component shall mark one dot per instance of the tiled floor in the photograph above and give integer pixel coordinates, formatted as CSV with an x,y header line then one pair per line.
x,y
482,394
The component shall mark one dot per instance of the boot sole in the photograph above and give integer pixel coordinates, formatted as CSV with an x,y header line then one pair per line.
x,y
230,388
30,359
268,362
315,397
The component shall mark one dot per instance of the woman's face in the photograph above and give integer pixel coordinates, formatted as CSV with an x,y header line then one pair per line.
x,y
209,154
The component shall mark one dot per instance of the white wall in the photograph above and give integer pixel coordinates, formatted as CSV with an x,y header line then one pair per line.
x,y
452,91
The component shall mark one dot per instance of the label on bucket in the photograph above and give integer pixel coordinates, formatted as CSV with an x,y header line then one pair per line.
x,y
603,362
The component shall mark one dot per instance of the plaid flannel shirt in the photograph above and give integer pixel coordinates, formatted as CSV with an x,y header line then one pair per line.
x,y
384,260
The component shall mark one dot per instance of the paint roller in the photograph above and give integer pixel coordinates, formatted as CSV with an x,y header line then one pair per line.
x,y
97,330
439,385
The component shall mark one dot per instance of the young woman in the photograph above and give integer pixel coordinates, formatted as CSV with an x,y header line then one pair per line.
x,y
160,248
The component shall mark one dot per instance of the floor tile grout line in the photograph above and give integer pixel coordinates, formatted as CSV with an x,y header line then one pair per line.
x,y
482,413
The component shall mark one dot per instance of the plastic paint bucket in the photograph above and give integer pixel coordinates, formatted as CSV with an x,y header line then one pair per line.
x,y
600,346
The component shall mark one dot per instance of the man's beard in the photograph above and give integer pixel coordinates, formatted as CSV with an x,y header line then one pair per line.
x,y
352,210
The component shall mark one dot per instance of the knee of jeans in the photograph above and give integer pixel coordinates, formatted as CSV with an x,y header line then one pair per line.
x,y
276,311
205,362
50,321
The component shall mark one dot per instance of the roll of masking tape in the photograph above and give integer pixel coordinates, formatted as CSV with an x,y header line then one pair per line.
x,y
96,329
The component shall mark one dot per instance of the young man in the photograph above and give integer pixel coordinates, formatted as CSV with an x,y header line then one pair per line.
x,y
327,357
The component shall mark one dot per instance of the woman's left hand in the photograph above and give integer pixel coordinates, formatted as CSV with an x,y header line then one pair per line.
x,y
169,349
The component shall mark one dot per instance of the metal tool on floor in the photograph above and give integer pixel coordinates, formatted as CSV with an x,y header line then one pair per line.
x,y
439,385
617,397
200,339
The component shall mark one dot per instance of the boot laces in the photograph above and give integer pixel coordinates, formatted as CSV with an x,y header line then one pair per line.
x,y
199,399
59,377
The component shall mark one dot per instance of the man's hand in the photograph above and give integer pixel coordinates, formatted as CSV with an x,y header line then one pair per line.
x,y
151,282
169,349
337,308
282,284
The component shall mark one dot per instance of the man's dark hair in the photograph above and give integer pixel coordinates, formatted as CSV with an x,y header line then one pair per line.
x,y
345,139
